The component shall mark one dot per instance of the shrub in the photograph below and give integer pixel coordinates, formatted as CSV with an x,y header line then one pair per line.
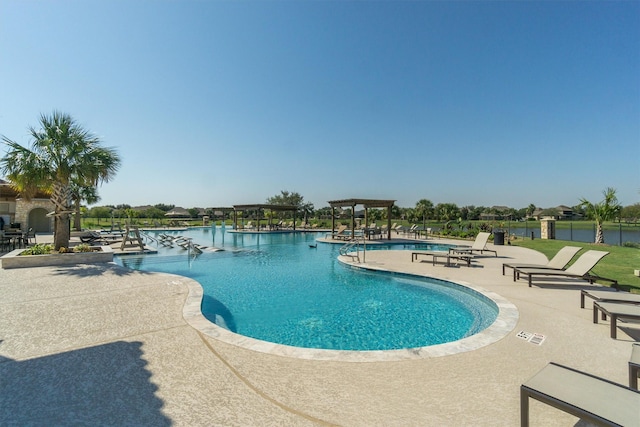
x,y
38,249
82,248
631,245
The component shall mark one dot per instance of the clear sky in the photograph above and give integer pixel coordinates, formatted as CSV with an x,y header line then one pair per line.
x,y
215,103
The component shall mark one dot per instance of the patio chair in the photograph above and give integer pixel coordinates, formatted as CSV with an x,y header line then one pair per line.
x,y
587,396
480,245
558,262
579,270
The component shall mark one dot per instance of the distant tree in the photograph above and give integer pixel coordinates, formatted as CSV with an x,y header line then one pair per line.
x,y
163,207
286,198
289,198
424,209
396,212
78,194
447,211
100,212
153,213
323,213
605,210
631,213
193,212
307,211
530,209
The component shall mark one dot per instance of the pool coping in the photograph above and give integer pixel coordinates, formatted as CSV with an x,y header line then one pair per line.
x,y
504,323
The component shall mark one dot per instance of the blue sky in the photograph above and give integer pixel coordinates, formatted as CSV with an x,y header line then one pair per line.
x,y
215,103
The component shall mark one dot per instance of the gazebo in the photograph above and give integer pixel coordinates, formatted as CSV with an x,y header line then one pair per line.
x,y
260,208
367,203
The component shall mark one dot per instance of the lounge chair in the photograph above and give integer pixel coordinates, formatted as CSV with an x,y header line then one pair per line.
x,y
580,269
435,255
341,233
92,237
480,245
615,311
587,396
634,366
558,262
612,295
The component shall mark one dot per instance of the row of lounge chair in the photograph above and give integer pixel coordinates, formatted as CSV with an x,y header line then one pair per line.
x,y
557,266
462,253
589,397
593,399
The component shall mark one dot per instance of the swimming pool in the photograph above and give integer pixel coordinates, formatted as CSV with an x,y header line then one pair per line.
x,y
276,288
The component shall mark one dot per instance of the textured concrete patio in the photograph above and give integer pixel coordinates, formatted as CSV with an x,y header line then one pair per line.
x,y
103,345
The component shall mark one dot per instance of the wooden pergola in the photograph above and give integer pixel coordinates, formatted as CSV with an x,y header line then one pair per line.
x,y
260,208
367,203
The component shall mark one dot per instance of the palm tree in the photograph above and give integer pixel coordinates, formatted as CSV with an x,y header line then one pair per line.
x,y
62,153
80,193
604,211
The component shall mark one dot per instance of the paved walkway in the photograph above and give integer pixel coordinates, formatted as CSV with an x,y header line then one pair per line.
x,y
103,345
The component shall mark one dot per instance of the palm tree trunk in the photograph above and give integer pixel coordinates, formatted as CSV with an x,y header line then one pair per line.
x,y
599,233
76,218
61,198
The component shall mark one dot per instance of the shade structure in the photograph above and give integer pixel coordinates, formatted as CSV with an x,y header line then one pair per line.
x,y
178,213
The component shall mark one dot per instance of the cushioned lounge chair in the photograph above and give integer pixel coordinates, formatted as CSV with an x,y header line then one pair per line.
x,y
580,269
587,396
558,262
480,245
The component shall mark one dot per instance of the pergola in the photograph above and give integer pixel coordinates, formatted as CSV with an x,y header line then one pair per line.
x,y
260,208
223,210
367,203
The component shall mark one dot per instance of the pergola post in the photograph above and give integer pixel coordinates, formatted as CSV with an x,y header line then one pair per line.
x,y
333,220
389,223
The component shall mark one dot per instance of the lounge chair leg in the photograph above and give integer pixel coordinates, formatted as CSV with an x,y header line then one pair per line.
x,y
524,408
614,326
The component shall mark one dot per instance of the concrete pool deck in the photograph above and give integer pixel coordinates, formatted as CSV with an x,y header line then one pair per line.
x,y
100,344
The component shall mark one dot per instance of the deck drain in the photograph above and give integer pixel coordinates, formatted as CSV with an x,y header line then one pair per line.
x,y
531,337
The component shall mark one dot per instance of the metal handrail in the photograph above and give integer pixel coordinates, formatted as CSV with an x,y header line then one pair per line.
x,y
346,249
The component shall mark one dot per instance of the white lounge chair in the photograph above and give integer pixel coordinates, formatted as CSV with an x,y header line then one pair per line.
x,y
579,269
558,262
480,245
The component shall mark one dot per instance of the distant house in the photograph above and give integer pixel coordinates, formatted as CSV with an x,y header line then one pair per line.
x,y
565,212
17,212
178,212
561,212
495,213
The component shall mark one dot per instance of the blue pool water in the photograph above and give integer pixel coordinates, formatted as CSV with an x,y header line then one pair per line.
x,y
277,288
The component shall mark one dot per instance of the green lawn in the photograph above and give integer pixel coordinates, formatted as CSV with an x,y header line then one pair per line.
x,y
618,265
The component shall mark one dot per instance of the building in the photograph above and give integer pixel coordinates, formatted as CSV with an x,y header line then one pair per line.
x,y
17,212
